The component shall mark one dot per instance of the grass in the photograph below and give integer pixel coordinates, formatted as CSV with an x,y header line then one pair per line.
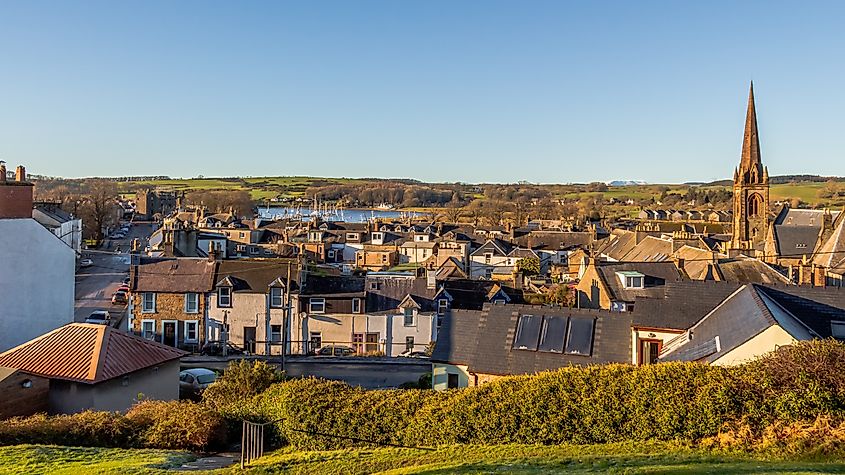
x,y
627,458
631,458
28,459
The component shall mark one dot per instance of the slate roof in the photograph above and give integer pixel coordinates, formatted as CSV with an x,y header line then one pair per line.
x,y
832,251
796,241
87,353
554,240
339,286
657,274
390,292
746,270
803,312
483,340
683,304
473,294
620,243
254,275
650,249
173,275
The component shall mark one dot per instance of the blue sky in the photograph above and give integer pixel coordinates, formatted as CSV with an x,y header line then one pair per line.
x,y
477,91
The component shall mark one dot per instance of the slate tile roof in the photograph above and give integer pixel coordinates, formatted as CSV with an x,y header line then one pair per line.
x,y
256,275
683,304
657,274
173,275
87,353
483,340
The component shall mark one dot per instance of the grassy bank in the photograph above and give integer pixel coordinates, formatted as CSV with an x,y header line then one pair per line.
x,y
650,458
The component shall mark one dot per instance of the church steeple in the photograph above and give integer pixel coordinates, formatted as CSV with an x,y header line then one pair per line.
x,y
751,188
750,165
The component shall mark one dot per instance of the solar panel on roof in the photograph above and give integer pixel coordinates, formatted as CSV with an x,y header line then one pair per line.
x,y
527,332
553,336
579,338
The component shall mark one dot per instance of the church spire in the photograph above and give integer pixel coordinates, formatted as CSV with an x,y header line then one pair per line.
x,y
750,141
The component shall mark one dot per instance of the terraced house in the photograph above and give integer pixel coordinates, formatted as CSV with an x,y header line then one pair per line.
x,y
168,301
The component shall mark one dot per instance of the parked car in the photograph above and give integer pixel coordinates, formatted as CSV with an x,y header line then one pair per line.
x,y
86,262
123,288
215,348
335,350
119,298
99,317
192,382
413,354
126,281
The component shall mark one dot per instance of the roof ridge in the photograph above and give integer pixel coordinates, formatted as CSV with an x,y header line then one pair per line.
x,y
101,348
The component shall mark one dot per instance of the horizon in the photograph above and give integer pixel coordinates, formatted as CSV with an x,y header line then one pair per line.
x,y
441,92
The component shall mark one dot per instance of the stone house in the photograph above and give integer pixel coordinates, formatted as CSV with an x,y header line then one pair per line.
x,y
169,300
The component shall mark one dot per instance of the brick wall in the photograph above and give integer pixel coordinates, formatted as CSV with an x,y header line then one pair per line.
x,y
15,200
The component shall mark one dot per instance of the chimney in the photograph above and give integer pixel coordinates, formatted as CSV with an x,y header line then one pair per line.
x,y
679,262
15,196
213,251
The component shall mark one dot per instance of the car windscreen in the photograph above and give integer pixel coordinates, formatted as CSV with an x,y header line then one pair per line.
x,y
206,378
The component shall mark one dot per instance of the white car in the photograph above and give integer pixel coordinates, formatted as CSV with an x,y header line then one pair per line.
x,y
99,317
86,262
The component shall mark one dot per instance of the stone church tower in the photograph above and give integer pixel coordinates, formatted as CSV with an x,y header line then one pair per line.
x,y
751,189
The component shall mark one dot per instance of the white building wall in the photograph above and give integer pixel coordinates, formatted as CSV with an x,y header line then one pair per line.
x,y
37,281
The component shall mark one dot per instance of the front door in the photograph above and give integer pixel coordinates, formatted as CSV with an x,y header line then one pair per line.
x,y
649,351
168,333
249,339
372,342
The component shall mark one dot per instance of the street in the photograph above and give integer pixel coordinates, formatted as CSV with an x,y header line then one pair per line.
x,y
96,284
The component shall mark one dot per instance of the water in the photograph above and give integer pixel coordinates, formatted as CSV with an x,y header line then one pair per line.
x,y
347,215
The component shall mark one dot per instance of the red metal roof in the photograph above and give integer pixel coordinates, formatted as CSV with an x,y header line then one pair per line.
x,y
87,353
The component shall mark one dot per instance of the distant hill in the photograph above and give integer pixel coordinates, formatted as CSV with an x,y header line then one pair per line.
x,y
625,183
780,179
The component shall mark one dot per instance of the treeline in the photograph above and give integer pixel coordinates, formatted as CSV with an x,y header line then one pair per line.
x,y
396,194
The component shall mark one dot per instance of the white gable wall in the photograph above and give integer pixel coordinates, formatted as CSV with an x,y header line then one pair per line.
x,y
37,281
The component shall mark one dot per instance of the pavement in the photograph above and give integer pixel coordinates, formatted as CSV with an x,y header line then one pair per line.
x,y
96,284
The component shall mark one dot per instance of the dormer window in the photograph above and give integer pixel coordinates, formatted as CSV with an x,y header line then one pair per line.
x,y
378,236
352,236
276,297
224,296
631,279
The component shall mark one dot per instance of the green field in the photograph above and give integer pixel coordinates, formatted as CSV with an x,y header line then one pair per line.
x,y
643,458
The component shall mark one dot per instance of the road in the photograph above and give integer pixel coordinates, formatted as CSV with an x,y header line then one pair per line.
x,y
96,284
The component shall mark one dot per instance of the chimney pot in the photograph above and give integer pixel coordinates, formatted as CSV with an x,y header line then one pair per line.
x,y
20,174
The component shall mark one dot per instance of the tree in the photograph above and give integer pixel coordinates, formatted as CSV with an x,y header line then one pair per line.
x,y
528,266
454,212
98,207
561,294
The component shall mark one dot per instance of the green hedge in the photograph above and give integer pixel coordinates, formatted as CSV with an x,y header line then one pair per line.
x,y
675,401
595,404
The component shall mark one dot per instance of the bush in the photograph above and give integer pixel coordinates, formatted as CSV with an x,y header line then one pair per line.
x,y
242,380
87,429
594,404
178,425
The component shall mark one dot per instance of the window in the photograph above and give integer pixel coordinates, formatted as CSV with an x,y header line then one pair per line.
x,y
224,297
837,330
634,282
527,332
499,301
331,254
191,331
378,236
315,339
148,329
488,257
649,350
442,306
240,248
192,303
358,342
352,236
148,304
801,246
275,333
488,274
452,381
316,305
374,286
553,334
384,258
276,297
253,250
409,343
409,317
241,235
579,338
356,305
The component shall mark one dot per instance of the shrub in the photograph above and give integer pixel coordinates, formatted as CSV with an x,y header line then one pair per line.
x,y
241,381
178,425
90,429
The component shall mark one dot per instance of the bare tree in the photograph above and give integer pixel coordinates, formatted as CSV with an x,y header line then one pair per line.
x,y
98,207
